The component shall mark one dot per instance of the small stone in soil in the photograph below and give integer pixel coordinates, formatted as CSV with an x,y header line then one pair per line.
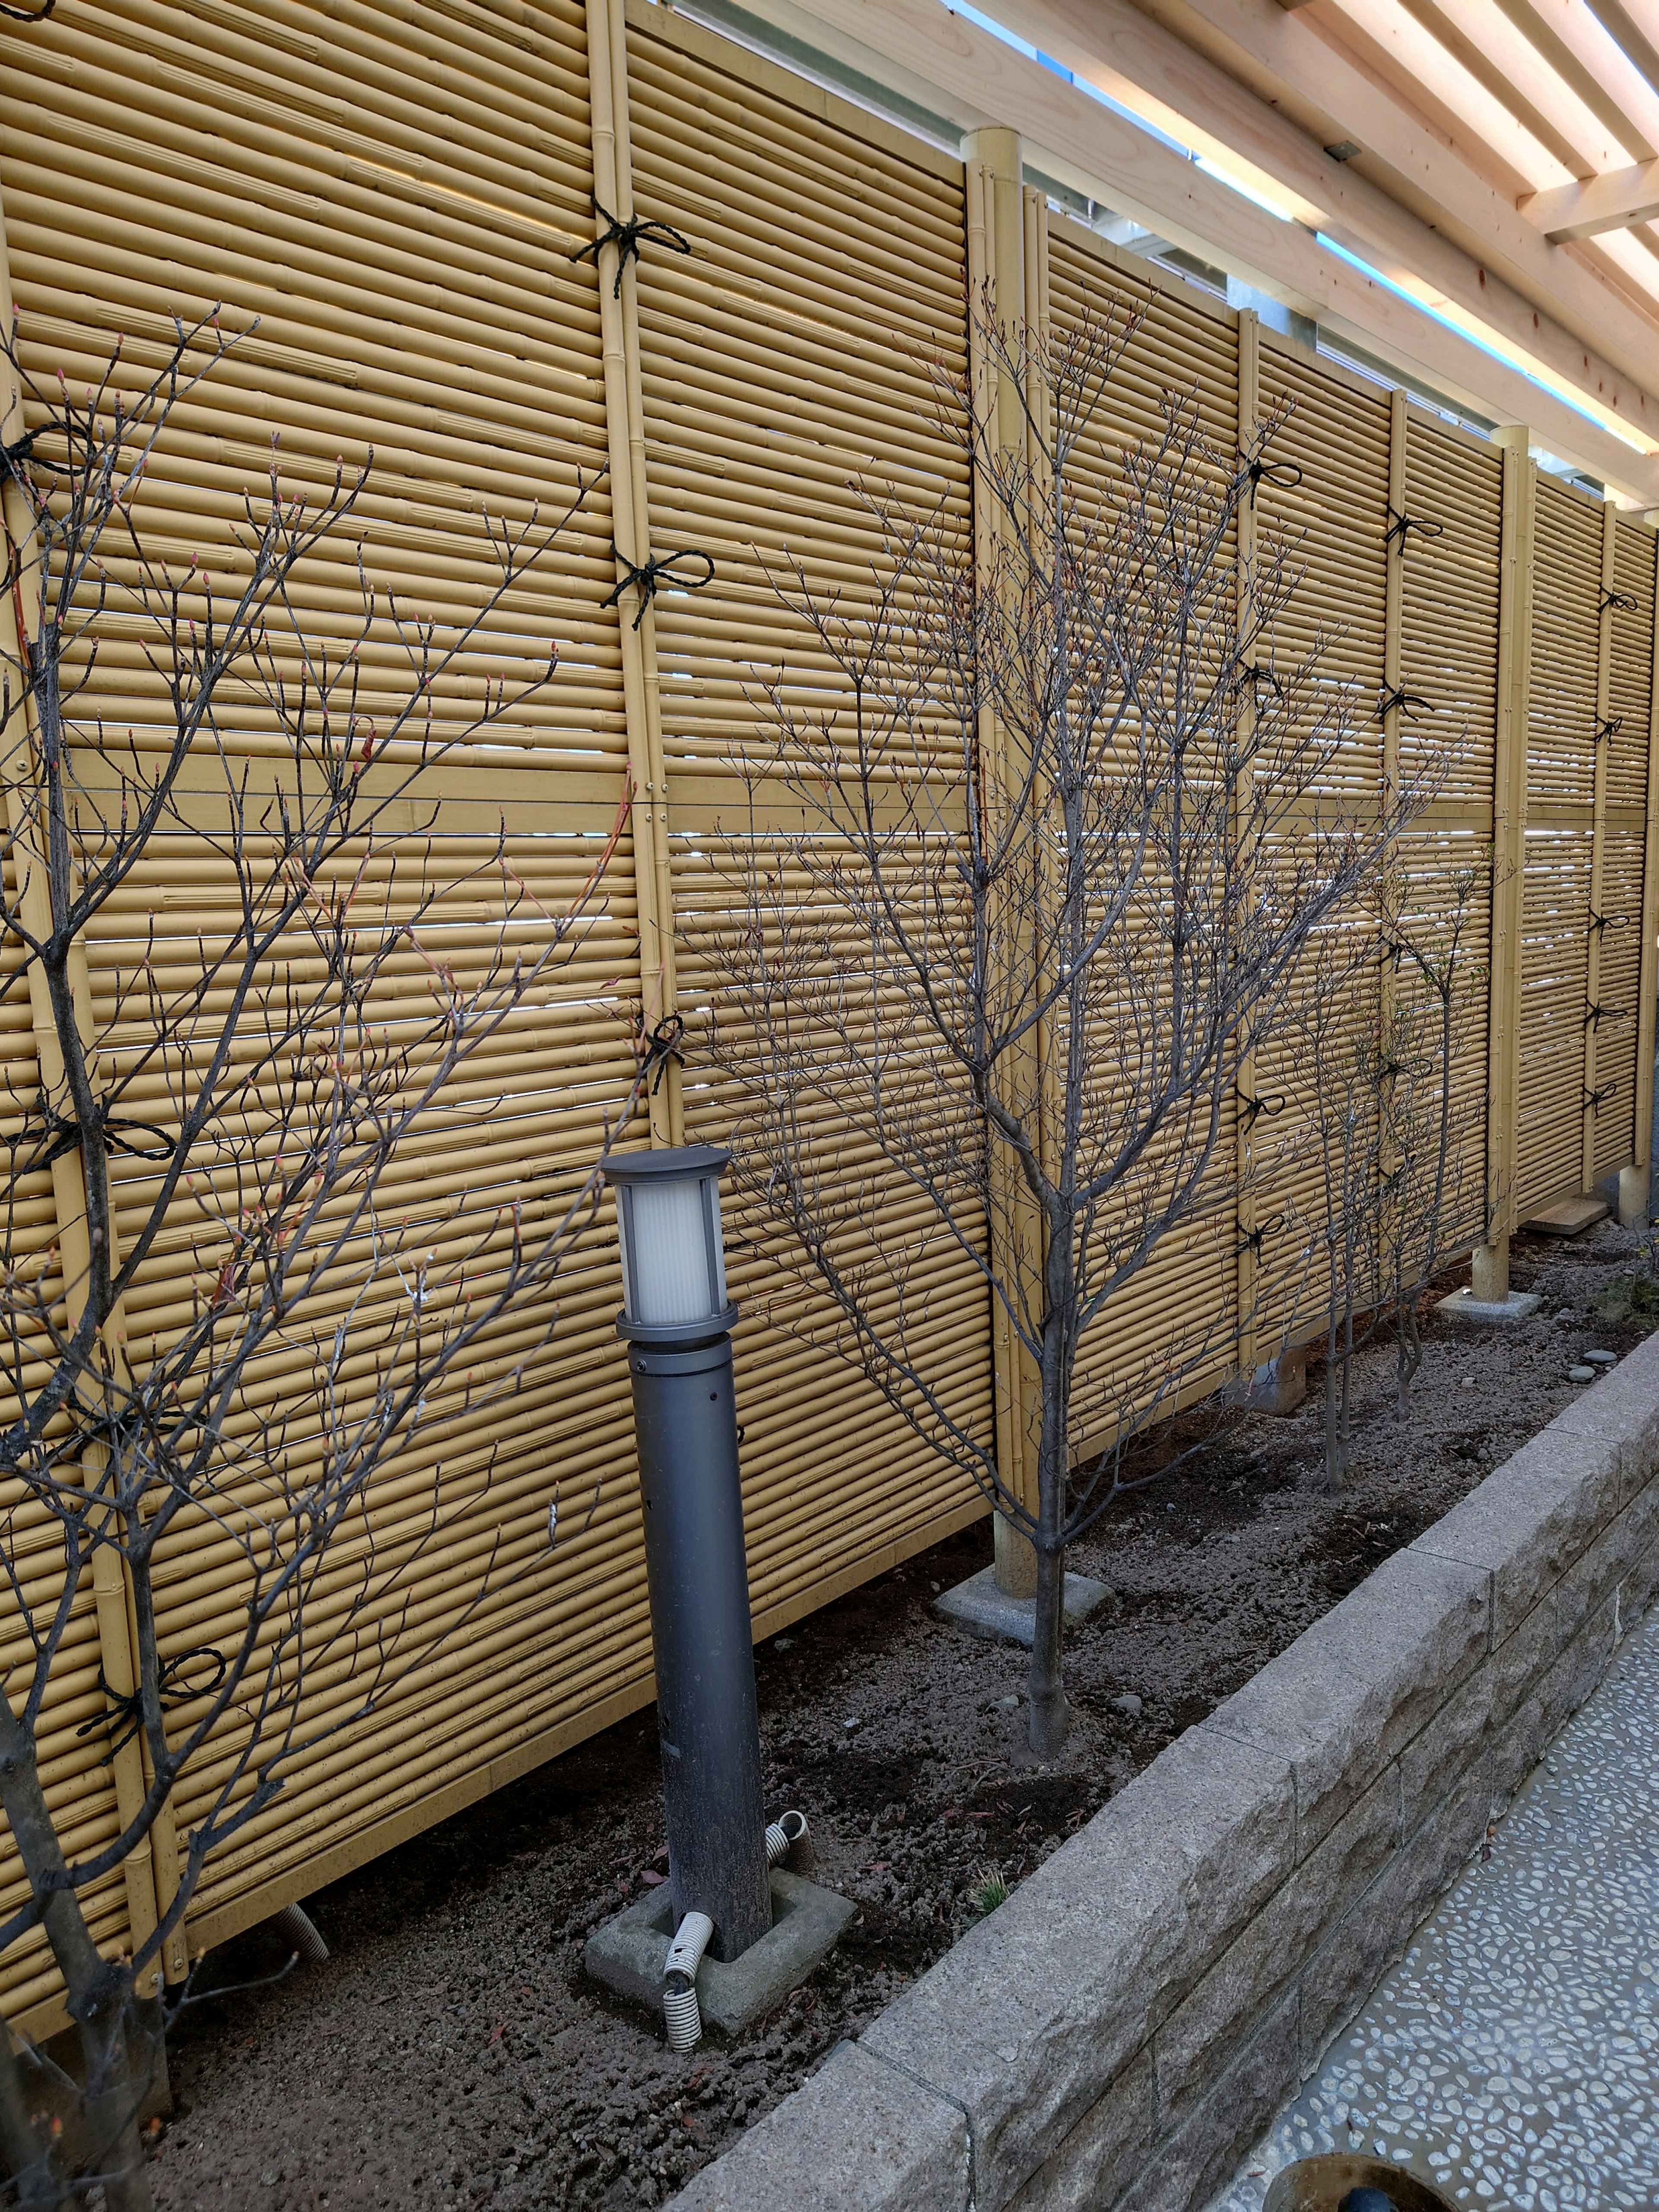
x,y
1008,1704
1581,1375
1602,1358
1128,1703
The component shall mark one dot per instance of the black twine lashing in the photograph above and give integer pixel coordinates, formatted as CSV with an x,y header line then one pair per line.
x,y
1607,727
663,1045
1598,922
1593,1099
131,1709
1284,476
1388,699
627,238
1270,1107
1253,673
1252,1238
1595,1015
27,15
1625,601
651,575
1400,525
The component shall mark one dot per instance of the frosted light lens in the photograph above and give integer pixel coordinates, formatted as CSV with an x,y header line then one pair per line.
x,y
668,1280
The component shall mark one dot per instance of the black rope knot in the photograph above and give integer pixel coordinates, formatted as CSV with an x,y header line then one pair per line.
x,y
627,238
1607,727
131,1709
1595,1015
1284,476
1400,525
662,1046
1251,1239
1387,700
1625,601
1255,674
1251,1107
1593,1099
651,575
1598,922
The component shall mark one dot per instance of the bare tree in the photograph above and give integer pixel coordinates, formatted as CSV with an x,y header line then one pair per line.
x,y
1435,950
240,1108
1343,1085
1018,891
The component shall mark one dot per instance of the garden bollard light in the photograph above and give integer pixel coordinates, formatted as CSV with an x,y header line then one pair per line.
x,y
678,1320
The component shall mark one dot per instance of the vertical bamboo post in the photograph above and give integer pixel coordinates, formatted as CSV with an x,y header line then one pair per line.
x,y
150,1870
1249,400
1491,1271
1394,662
998,219
1600,749
624,408
1634,1193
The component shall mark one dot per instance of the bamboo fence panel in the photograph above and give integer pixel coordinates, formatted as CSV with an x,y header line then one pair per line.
x,y
1448,546
398,208
1170,1336
782,367
1630,722
1322,508
394,196
1556,906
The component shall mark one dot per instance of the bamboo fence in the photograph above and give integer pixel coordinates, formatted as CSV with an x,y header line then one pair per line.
x,y
396,190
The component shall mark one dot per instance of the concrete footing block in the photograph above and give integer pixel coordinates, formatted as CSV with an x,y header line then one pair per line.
x,y
629,1954
982,1609
1276,1386
1568,1217
1488,1313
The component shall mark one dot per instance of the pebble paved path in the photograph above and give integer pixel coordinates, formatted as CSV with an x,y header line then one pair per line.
x,y
1512,2057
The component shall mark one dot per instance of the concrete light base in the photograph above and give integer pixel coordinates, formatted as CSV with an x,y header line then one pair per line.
x,y
629,1954
982,1609
1488,1313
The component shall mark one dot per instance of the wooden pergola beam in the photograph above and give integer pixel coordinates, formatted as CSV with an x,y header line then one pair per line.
x,y
1405,170
1612,201
1081,142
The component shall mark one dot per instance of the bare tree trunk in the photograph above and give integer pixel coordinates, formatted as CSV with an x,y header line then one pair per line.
x,y
1046,1733
26,2149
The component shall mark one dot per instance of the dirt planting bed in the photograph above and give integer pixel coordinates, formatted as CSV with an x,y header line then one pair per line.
x,y
452,2053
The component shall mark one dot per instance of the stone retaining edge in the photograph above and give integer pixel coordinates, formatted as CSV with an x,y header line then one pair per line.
x,y
1120,2032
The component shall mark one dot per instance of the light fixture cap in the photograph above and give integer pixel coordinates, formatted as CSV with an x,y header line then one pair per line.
x,y
673,1258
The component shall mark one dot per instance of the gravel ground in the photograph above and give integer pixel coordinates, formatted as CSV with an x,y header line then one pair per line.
x,y
452,2052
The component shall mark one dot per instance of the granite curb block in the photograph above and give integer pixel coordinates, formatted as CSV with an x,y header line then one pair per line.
x,y
1118,2032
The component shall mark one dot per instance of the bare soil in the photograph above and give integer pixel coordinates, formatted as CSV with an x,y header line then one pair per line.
x,y
452,2052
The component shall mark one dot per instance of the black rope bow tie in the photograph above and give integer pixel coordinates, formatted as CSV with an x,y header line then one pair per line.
x,y
627,238
1387,700
1400,526
131,1709
664,1045
651,575
1285,475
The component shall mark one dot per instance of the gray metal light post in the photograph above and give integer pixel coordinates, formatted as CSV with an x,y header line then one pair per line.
x,y
678,1320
